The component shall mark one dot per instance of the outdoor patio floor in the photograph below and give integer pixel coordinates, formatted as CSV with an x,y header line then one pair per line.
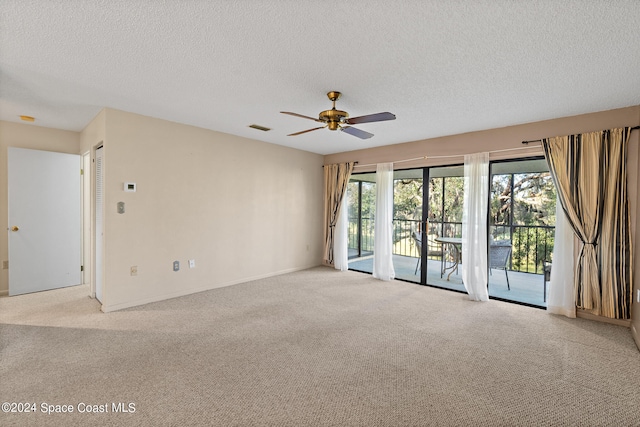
x,y
525,287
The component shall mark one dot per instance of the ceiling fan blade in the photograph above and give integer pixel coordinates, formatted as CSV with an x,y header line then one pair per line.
x,y
305,131
356,132
379,117
300,115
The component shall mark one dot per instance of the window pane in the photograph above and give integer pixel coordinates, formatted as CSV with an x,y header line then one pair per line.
x,y
368,215
453,198
534,199
435,200
500,200
407,199
407,224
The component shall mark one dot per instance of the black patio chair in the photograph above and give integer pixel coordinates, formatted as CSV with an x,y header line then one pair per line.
x,y
432,250
499,253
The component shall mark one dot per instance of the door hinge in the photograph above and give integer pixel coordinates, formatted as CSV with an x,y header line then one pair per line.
x,y
81,171
82,268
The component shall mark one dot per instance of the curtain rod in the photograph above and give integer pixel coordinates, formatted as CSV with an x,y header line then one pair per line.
x,y
402,161
539,140
445,157
354,165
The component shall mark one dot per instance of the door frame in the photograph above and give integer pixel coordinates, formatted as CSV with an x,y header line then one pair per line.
x,y
86,191
94,241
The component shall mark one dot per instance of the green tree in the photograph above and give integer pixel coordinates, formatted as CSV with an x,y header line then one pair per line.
x,y
532,198
407,199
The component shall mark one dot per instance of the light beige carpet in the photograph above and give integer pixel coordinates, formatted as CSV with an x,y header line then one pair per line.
x,y
314,348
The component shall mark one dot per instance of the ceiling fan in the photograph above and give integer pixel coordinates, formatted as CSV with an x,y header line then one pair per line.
x,y
337,119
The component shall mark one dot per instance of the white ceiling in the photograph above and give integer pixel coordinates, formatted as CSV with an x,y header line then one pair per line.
x,y
443,67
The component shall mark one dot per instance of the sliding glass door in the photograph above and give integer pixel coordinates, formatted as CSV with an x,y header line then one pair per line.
x,y
408,201
521,230
444,227
361,199
427,227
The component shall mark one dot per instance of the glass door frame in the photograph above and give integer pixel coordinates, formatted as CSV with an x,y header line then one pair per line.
x,y
511,229
424,220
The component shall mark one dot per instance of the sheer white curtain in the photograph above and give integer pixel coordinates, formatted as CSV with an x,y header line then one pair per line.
x,y
383,240
561,285
474,225
340,240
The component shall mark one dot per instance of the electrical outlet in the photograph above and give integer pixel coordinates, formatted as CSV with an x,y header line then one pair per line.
x,y
176,265
192,263
134,270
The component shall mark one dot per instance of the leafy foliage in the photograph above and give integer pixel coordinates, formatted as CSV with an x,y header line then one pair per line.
x,y
407,199
534,199
522,209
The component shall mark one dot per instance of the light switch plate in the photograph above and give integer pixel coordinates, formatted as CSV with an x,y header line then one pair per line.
x,y
192,263
120,207
176,265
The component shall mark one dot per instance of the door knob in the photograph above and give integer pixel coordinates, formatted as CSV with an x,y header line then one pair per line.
x,y
15,228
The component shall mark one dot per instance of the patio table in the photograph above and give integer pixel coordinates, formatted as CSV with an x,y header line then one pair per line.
x,y
455,243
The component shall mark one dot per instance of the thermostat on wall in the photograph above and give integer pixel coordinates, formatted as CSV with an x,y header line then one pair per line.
x,y
130,187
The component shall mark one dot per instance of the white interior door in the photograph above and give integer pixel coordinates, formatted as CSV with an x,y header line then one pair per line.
x,y
44,220
99,222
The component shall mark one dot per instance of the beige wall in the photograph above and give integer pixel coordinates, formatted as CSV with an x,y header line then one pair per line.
x,y
33,137
242,209
510,139
94,133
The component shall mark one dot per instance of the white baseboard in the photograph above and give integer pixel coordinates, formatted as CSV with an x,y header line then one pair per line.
x,y
184,292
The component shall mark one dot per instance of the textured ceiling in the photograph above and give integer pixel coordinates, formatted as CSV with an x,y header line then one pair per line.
x,y
443,67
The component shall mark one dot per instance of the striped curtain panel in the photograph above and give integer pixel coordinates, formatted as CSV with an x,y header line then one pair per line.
x,y
590,173
336,179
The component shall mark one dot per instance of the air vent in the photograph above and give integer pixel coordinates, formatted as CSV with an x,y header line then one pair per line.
x,y
262,128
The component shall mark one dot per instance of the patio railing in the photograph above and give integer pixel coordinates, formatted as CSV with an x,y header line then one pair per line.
x,y
532,245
